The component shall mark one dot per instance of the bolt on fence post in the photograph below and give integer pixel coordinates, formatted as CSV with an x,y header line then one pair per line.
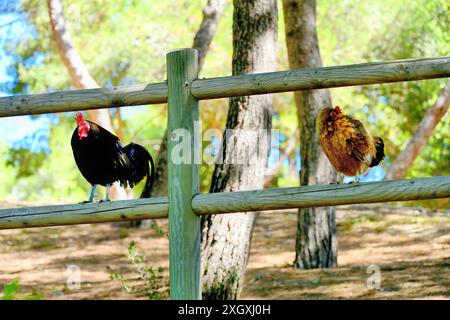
x,y
183,176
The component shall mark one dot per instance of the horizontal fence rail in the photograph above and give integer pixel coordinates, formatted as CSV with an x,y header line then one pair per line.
x,y
228,202
324,77
322,195
251,84
78,100
59,215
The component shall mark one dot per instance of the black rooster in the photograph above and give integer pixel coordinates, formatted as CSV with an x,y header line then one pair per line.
x,y
102,160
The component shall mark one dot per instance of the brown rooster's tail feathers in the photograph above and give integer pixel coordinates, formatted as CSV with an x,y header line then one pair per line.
x,y
379,156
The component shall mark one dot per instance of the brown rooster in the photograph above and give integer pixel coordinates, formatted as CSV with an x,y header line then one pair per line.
x,y
347,144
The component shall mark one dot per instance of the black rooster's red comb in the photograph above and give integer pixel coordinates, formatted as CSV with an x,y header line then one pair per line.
x,y
79,117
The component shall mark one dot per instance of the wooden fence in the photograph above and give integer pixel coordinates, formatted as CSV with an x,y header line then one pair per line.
x,y
184,205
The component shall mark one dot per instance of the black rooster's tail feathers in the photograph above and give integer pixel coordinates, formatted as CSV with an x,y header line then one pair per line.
x,y
139,167
146,193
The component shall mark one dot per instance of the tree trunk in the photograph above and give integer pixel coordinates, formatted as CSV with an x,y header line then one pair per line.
x,y
316,244
81,78
211,16
226,238
420,138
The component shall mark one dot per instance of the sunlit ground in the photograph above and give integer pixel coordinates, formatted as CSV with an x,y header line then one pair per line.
x,y
411,246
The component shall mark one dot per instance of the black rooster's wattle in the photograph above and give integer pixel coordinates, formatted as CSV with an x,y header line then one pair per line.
x,y
102,160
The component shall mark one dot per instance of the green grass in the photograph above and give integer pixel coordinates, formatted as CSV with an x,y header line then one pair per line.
x,y
11,292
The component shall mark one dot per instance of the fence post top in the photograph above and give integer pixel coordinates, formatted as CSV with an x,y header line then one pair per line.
x,y
181,50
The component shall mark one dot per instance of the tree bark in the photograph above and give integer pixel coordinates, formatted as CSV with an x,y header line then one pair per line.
x,y
404,161
211,16
316,244
243,158
81,78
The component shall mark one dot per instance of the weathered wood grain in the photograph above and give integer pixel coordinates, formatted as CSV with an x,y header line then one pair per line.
x,y
77,100
325,77
59,215
319,196
183,177
227,202
293,80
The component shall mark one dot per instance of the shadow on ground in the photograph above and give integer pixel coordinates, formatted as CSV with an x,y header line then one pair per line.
x,y
411,247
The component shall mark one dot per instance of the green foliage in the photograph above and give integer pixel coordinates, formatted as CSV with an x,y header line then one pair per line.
x,y
150,282
393,30
53,176
25,161
159,231
125,42
7,173
11,291
121,42
427,36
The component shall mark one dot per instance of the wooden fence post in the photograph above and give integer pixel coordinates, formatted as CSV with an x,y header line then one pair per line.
x,y
183,174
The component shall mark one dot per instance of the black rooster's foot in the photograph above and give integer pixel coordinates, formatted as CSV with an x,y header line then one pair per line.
x,y
354,181
84,202
105,200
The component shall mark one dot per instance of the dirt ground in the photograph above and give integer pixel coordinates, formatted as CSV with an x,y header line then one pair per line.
x,y
410,246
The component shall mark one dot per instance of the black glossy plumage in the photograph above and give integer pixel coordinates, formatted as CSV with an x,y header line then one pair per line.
x,y
102,159
139,158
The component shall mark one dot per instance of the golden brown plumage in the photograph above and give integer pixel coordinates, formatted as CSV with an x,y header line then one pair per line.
x,y
350,148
